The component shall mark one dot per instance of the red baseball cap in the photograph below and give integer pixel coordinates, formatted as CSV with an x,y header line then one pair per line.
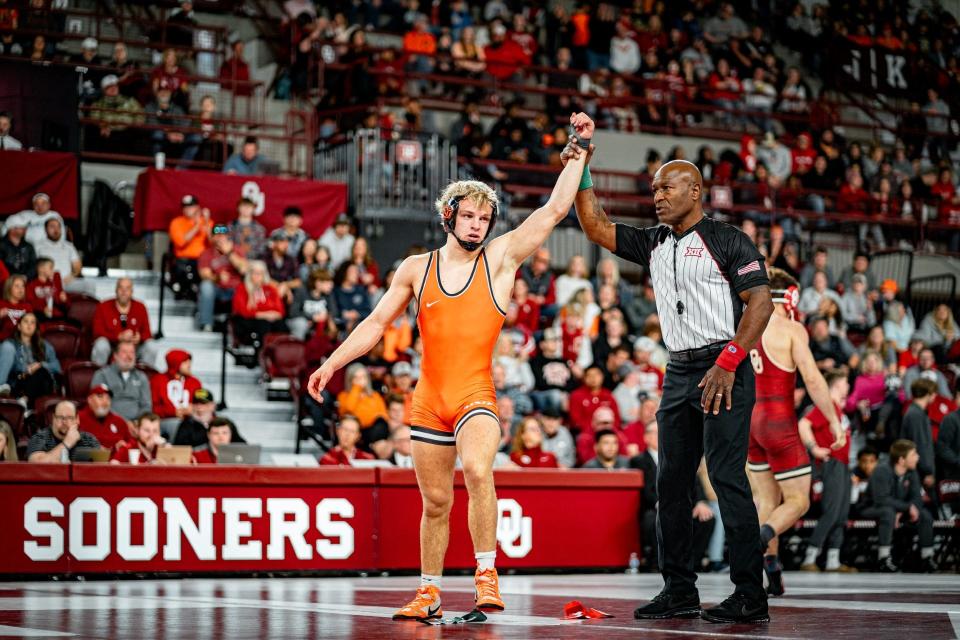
x,y
100,388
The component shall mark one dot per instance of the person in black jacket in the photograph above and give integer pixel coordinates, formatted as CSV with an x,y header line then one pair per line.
x,y
948,447
916,428
897,499
17,254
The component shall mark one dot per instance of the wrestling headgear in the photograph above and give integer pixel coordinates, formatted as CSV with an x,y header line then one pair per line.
x,y
450,224
789,298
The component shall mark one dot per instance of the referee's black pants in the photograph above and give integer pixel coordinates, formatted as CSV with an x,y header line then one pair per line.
x,y
686,433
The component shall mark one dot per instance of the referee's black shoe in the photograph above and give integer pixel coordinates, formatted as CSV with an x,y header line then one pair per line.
x,y
670,605
738,608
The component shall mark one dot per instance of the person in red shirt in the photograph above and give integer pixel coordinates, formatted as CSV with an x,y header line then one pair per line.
x,y
221,267
97,418
45,292
527,444
603,419
257,306
504,57
832,467
170,75
348,435
218,433
122,319
526,308
14,304
235,73
853,198
173,389
142,447
803,155
651,378
585,400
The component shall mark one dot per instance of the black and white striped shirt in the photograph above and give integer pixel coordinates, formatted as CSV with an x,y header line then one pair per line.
x,y
697,278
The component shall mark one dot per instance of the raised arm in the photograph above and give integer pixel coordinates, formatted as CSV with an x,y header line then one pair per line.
x,y
368,333
593,219
531,234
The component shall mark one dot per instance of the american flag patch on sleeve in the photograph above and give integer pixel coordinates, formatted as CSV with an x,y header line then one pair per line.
x,y
747,268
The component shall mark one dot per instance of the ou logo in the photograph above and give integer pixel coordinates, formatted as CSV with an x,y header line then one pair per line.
x,y
514,530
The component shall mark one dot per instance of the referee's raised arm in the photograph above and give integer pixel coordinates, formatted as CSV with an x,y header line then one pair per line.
x,y
593,219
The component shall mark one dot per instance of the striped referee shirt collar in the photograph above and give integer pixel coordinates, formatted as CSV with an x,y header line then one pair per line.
x,y
680,236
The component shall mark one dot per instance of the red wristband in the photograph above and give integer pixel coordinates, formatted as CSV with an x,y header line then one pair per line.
x,y
731,356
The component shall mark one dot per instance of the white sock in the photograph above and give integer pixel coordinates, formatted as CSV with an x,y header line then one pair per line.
x,y
485,559
883,552
926,552
433,581
811,557
833,559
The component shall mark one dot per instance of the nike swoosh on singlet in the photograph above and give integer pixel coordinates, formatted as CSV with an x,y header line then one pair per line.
x,y
430,304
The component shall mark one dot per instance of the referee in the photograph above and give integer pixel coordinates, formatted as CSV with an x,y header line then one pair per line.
x,y
703,274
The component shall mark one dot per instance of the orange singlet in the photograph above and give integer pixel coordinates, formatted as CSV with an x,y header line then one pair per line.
x,y
459,331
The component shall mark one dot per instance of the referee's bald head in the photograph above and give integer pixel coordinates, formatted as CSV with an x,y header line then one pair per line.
x,y
684,168
677,188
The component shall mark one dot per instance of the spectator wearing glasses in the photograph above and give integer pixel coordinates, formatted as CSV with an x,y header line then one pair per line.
x,y
58,443
122,319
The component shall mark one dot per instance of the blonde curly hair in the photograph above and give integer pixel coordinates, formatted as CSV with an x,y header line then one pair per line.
x,y
477,192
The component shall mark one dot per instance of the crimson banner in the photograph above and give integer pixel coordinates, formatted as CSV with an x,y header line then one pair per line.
x,y
26,173
108,519
556,518
158,195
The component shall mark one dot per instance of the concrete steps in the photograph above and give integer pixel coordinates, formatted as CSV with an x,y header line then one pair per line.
x,y
269,423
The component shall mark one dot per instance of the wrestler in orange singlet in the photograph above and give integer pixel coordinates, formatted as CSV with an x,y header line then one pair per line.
x,y
461,290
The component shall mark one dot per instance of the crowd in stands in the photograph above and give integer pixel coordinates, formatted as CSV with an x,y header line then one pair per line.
x,y
579,367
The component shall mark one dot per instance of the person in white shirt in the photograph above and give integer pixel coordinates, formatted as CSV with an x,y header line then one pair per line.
x,y
338,240
7,141
33,219
66,258
572,281
624,51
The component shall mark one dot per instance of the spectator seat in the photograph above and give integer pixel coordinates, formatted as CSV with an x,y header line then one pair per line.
x,y
79,375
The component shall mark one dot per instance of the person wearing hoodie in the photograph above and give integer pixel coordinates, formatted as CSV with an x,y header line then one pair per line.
x,y
172,391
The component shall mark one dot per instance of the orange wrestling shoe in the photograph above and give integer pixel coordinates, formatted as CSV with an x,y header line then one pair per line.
x,y
425,606
487,590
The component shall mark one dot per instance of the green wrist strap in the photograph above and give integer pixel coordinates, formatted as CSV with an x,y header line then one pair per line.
x,y
586,182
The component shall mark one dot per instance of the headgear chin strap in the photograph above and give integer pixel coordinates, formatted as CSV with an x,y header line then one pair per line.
x,y
450,224
789,298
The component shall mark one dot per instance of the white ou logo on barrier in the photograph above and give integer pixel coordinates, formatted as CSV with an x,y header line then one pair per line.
x,y
514,531
251,190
